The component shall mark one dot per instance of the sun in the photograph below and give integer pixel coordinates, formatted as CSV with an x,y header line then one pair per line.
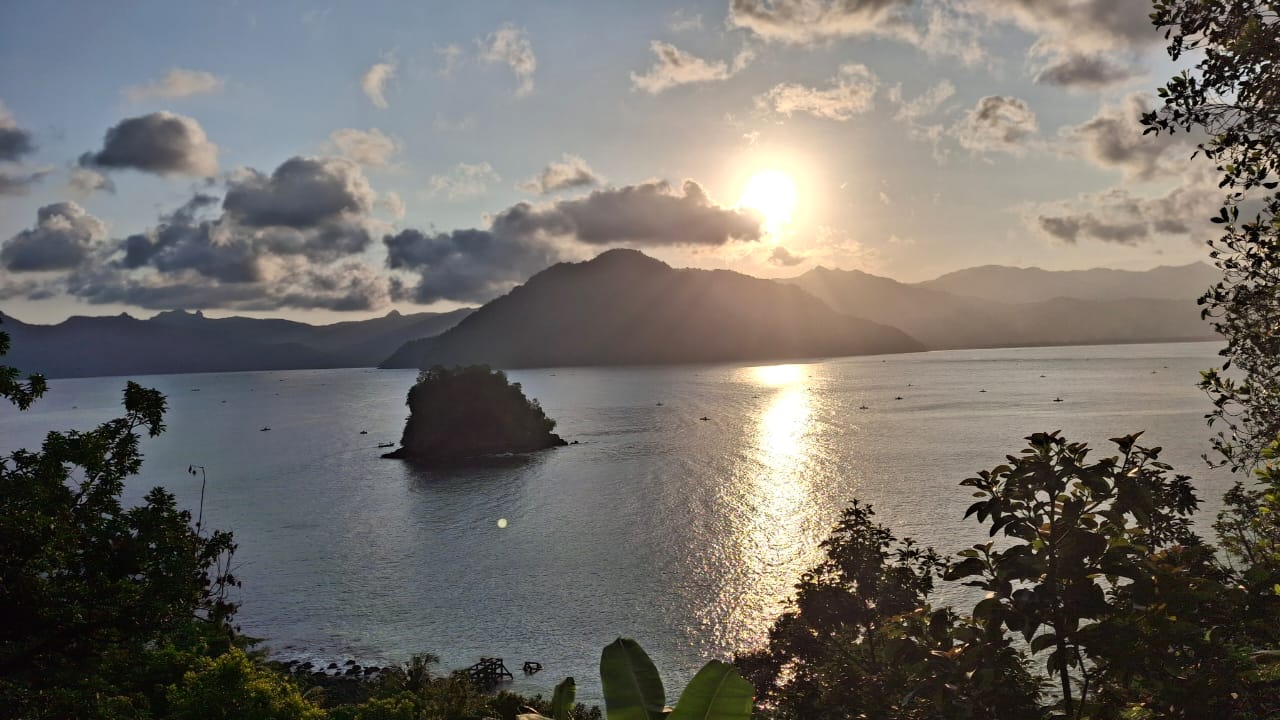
x,y
772,193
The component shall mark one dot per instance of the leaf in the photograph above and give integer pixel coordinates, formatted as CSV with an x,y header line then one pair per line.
x,y
717,692
1043,641
562,699
632,687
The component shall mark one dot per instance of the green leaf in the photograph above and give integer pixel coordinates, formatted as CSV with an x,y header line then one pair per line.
x,y
717,692
632,688
562,699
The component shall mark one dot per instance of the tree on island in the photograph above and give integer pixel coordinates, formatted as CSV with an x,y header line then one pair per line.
x,y
465,413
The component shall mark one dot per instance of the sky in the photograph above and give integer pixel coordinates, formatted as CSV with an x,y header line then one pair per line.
x,y
334,161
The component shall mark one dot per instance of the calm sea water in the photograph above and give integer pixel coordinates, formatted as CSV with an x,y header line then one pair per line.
x,y
685,533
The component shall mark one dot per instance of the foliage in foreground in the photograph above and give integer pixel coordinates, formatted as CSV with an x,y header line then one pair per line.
x,y
1232,98
1097,578
462,413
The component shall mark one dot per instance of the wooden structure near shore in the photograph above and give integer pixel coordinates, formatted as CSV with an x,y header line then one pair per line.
x,y
489,671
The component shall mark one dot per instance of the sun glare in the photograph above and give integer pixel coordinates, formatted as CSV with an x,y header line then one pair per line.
x,y
772,193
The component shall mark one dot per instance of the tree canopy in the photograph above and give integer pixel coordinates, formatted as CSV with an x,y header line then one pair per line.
x,y
464,413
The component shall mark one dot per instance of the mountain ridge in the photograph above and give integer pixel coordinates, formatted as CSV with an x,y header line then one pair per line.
x,y
572,314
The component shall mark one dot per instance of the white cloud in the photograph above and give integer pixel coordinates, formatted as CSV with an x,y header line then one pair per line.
x,y
392,202
465,180
371,148
177,83
852,91
674,66
374,82
510,45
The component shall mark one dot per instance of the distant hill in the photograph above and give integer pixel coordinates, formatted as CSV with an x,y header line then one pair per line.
x,y
1024,285
625,308
1138,310
182,342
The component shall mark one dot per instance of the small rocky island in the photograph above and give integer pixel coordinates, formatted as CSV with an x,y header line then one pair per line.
x,y
466,414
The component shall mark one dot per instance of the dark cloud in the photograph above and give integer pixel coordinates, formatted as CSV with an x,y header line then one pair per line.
x,y
997,123
1121,217
467,265
303,193
344,287
569,172
19,183
15,142
785,258
646,214
1090,72
477,265
63,237
1114,139
162,143
1079,25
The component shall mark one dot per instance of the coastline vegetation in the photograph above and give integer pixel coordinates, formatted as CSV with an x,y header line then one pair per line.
x,y
464,414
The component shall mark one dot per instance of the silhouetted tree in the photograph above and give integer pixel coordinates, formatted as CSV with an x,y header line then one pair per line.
x,y
100,604
1233,97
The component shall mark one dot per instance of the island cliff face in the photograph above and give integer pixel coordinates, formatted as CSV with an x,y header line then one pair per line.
x,y
625,308
468,413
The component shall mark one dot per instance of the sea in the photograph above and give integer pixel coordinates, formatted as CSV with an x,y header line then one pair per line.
x,y
687,507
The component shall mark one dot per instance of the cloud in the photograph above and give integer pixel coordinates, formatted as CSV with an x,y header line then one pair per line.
x,y
785,258
371,148
287,284
570,171
63,237
374,81
476,265
923,105
1087,72
465,180
808,21
674,66
161,143
392,202
1080,26
852,92
290,239
85,182
1075,38
997,123
451,55
303,193
466,265
20,182
681,21
177,83
1114,139
1121,217
510,45
650,214
15,142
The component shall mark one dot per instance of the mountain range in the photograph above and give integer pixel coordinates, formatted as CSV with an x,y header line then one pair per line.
x,y
996,306
624,307
184,342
